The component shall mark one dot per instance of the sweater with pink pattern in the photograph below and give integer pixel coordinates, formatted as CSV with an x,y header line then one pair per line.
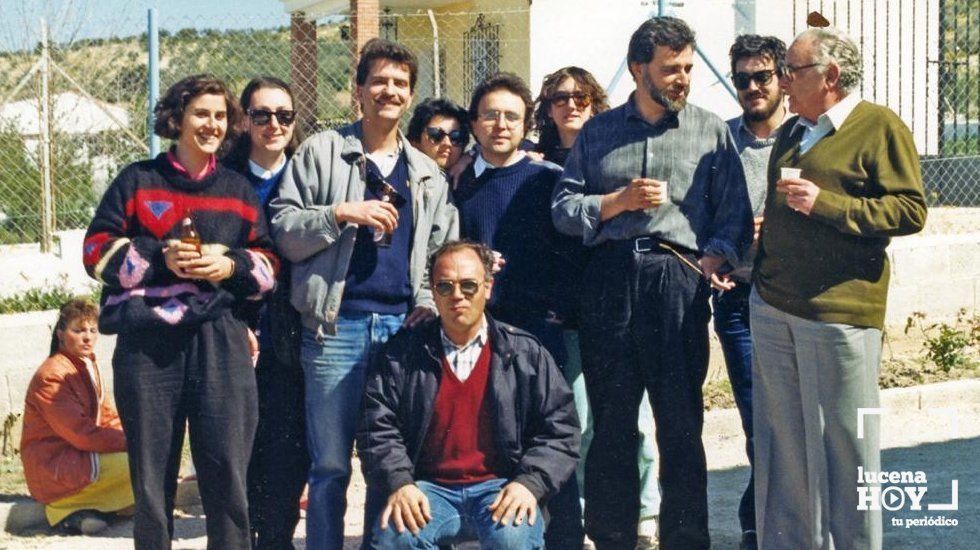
x,y
141,212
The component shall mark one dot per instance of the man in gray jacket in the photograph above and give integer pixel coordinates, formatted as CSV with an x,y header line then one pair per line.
x,y
359,210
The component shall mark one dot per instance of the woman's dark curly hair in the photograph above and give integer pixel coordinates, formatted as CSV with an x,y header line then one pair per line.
x,y
169,110
547,131
238,155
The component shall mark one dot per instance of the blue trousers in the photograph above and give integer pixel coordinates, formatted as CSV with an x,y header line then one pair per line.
x,y
461,514
731,311
335,372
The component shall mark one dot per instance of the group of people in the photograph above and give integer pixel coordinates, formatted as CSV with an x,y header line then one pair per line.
x,y
484,320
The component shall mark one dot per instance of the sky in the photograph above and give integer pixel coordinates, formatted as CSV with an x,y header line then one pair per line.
x,y
19,25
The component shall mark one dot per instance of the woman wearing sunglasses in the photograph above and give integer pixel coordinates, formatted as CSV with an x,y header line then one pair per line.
x,y
280,462
569,97
181,355
440,129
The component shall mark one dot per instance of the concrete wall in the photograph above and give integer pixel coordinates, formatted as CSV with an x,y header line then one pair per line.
x,y
936,272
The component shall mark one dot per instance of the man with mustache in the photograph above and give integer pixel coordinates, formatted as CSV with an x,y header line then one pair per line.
x,y
657,188
757,62
358,212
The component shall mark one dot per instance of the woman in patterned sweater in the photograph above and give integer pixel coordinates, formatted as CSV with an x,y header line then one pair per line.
x,y
182,354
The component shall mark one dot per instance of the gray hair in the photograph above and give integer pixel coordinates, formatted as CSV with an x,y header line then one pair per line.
x,y
832,45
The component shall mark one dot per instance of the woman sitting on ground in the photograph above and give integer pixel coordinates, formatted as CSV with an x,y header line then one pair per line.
x,y
73,447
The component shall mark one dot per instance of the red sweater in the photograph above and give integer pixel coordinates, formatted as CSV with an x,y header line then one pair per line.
x,y
459,446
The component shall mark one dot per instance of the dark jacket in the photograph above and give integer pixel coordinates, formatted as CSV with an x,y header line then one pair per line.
x,y
535,425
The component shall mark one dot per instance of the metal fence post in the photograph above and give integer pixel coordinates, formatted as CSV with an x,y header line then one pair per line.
x,y
436,82
47,194
153,82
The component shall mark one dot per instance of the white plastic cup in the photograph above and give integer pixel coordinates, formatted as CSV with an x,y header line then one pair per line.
x,y
790,173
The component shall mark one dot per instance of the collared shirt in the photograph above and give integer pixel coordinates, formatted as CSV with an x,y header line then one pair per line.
x,y
386,161
263,173
754,153
208,169
708,208
462,359
833,119
481,164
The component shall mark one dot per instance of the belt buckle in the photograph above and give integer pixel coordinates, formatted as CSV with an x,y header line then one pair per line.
x,y
643,244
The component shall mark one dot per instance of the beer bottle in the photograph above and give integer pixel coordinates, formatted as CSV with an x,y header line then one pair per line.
x,y
188,233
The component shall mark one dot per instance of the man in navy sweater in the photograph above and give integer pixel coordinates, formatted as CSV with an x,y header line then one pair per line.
x,y
504,202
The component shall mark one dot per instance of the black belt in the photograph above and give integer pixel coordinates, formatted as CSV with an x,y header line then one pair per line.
x,y
648,244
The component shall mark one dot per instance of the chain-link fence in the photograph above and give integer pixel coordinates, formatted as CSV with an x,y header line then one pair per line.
x,y
73,113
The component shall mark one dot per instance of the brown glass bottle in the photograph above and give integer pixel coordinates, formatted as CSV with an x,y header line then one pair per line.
x,y
188,233
387,193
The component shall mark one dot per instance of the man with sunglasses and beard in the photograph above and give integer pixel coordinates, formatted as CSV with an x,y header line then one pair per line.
x,y
468,423
657,188
359,210
757,63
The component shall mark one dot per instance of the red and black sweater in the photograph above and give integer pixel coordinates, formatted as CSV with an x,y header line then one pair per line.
x,y
140,212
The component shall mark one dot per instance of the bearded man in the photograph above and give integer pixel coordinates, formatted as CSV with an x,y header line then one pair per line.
x,y
657,188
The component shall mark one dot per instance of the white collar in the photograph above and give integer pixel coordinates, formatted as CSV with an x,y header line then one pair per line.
x,y
481,164
263,173
481,337
835,116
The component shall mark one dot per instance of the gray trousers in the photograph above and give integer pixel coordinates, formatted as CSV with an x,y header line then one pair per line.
x,y
808,380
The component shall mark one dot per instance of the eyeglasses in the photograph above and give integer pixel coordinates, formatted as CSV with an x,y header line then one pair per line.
x,y
789,70
456,137
581,99
468,287
261,117
761,78
510,117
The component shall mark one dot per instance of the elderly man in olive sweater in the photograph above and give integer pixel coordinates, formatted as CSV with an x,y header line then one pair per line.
x,y
821,280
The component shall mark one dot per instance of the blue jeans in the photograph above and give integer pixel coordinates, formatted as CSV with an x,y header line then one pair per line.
x,y
731,311
335,371
461,513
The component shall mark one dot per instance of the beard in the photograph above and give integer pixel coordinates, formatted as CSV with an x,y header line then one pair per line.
x,y
660,94
767,110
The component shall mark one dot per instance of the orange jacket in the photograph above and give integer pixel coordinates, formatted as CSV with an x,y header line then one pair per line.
x,y
67,423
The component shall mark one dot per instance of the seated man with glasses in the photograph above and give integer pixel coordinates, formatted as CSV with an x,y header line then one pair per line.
x,y
440,129
467,422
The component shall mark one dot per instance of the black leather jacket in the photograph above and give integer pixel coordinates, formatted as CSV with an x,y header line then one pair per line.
x,y
535,425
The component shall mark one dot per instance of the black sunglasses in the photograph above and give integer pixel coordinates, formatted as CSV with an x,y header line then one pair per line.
x,y
742,80
456,137
581,99
261,117
468,287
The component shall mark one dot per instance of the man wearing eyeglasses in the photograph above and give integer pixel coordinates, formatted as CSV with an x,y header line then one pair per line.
x,y
468,424
358,211
844,177
504,202
757,61
656,187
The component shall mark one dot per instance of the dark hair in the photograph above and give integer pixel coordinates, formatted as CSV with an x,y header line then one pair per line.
x,y
548,132
77,308
238,156
431,108
503,81
379,48
658,31
482,251
752,45
169,110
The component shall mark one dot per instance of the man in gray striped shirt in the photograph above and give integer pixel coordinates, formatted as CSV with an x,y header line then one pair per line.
x,y
657,188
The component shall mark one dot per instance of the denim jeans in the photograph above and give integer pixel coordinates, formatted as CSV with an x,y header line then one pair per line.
x,y
732,326
461,513
335,371
646,458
